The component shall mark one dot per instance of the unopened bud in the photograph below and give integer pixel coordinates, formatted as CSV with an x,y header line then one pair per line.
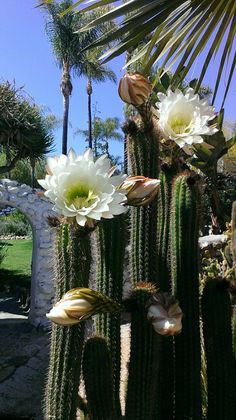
x,y
134,89
140,190
80,304
165,314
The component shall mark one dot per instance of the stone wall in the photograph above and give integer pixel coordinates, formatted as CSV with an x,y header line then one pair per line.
x,y
36,208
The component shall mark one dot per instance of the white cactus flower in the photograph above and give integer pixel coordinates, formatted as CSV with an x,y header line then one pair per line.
x,y
69,312
83,189
184,118
165,314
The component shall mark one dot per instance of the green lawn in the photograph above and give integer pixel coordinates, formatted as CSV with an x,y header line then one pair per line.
x,y
16,266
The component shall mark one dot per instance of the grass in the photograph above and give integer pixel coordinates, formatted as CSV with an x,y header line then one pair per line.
x,y
16,266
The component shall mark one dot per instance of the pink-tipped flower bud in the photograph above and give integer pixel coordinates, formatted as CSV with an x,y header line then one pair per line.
x,y
140,190
165,314
134,89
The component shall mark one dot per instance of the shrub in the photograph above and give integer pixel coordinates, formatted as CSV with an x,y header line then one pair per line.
x,y
15,223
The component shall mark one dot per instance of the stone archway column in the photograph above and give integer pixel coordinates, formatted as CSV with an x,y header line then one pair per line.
x,y
36,209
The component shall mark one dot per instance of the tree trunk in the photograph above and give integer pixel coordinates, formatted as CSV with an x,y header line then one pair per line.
x,y
65,123
89,93
66,89
106,146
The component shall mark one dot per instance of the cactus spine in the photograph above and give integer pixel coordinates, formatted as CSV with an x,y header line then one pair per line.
x,y
97,373
221,376
71,270
184,267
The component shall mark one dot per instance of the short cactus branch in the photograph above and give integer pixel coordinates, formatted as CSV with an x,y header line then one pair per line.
x,y
97,374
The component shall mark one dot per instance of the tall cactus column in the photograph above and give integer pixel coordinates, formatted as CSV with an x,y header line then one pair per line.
x,y
185,279
165,396
72,263
111,249
221,375
142,143
142,138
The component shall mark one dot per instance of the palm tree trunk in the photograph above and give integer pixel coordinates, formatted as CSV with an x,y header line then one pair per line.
x,y
106,146
65,123
89,93
66,89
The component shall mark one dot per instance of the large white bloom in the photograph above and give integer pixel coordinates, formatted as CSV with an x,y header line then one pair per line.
x,y
82,188
184,118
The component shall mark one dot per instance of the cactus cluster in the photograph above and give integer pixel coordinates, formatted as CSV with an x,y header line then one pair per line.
x,y
165,379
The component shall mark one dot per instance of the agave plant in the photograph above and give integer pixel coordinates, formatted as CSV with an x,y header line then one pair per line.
x,y
173,30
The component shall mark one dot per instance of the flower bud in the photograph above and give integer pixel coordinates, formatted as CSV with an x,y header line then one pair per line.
x,y
80,304
165,314
140,190
134,89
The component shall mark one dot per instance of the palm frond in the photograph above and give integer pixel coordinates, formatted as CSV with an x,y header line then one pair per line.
x,y
178,32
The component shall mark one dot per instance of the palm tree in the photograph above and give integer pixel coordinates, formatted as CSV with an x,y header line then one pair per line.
x,y
95,72
103,132
177,30
67,46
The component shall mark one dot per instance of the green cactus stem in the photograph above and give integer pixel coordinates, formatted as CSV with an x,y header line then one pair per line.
x,y
144,358
110,249
184,228
165,396
221,375
97,374
142,146
72,255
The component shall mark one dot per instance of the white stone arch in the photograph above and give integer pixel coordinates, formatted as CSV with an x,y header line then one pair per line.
x,y
37,209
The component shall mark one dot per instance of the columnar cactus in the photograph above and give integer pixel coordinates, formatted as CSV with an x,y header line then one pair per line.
x,y
97,373
110,257
184,228
164,375
221,375
72,266
142,144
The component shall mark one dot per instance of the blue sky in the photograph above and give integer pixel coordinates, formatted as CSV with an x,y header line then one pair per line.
x,y
26,57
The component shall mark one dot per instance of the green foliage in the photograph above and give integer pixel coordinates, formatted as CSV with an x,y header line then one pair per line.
x,y
176,30
103,131
22,171
15,223
214,147
24,130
